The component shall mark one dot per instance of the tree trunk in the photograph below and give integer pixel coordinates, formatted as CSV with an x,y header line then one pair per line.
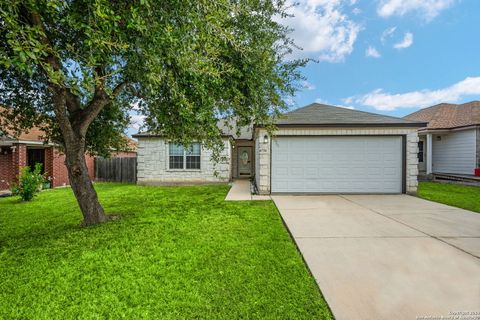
x,y
82,185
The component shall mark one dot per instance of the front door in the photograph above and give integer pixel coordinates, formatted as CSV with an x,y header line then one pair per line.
x,y
35,156
244,161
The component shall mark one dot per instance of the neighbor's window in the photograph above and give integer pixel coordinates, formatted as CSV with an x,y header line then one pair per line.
x,y
420,151
184,157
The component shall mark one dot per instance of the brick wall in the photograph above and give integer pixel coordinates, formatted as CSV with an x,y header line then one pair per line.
x,y
57,171
6,168
262,150
19,158
90,165
55,168
152,165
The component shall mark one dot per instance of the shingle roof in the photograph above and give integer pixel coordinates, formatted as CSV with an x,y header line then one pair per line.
x,y
33,134
227,127
316,114
449,116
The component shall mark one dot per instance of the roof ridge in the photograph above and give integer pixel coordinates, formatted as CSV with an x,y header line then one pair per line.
x,y
355,110
431,107
304,107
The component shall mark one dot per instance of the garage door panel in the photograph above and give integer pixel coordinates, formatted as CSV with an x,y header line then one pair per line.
x,y
368,164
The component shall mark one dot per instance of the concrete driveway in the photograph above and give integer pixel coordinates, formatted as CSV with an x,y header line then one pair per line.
x,y
388,256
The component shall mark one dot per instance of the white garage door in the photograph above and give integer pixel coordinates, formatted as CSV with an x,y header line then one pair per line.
x,y
366,164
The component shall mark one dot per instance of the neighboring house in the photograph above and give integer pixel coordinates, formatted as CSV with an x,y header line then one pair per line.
x,y
129,152
315,149
28,149
450,143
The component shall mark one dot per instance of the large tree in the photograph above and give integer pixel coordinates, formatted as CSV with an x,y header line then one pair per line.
x,y
78,68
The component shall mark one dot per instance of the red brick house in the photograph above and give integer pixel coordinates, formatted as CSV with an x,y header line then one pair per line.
x,y
26,150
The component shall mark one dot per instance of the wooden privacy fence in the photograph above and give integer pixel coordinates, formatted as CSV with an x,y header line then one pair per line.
x,y
116,169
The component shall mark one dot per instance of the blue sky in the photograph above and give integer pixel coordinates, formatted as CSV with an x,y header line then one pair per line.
x,y
388,56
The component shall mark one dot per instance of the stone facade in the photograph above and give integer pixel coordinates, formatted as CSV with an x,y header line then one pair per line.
x,y
153,166
262,150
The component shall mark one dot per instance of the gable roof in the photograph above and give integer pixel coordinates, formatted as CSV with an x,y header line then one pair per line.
x,y
227,126
36,135
32,135
317,114
449,116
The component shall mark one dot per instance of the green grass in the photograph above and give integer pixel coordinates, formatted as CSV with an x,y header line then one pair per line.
x,y
466,197
176,253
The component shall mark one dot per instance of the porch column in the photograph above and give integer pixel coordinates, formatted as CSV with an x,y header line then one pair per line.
x,y
429,154
19,158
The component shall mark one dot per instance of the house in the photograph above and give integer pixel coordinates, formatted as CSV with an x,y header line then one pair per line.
x,y
315,149
130,150
29,148
450,142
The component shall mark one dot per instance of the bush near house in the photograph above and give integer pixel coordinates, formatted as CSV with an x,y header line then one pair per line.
x,y
176,253
30,182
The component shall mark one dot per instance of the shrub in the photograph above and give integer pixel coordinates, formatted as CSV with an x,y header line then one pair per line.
x,y
30,182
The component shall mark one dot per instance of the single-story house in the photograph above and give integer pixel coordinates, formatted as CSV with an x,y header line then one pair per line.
x,y
27,149
315,149
30,148
450,142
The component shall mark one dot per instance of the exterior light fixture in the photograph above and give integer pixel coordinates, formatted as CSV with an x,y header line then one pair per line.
x,y
265,139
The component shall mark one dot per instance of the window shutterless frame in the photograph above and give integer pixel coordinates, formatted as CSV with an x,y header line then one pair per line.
x,y
180,158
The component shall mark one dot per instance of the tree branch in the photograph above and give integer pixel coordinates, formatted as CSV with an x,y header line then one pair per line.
x,y
100,99
60,94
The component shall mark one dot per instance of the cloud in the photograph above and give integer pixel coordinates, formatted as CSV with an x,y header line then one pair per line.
x,y
406,42
387,33
385,101
136,122
322,29
356,11
427,9
372,52
307,85
322,101
345,107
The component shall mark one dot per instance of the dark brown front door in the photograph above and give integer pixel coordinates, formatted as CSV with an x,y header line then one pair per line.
x,y
36,156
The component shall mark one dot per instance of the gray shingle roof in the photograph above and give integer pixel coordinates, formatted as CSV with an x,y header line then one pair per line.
x,y
227,127
316,114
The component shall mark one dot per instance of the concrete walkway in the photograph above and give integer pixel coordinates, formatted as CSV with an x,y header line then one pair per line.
x,y
388,256
241,191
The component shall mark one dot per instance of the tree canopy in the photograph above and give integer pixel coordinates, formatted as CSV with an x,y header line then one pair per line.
x,y
182,64
78,68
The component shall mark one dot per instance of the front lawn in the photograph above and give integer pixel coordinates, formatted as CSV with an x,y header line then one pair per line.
x,y
177,253
466,197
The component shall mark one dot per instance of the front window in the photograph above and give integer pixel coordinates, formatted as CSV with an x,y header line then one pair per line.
x,y
420,151
181,157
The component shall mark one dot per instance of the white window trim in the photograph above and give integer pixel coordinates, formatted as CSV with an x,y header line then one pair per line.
x,y
167,162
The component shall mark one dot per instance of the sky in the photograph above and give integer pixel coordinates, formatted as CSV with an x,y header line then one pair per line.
x,y
390,57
